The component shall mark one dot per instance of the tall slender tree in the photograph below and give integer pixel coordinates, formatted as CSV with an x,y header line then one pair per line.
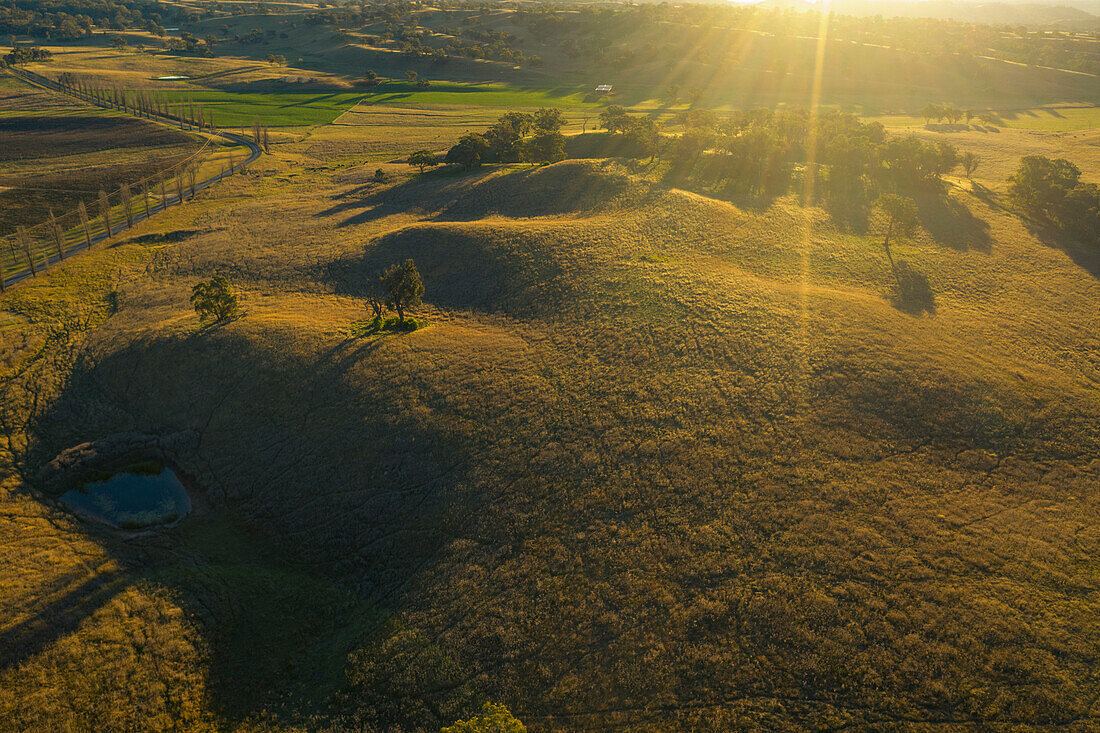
x,y
82,210
127,199
105,212
25,243
58,239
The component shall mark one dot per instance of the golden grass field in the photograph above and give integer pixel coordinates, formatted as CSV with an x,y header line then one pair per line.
x,y
653,462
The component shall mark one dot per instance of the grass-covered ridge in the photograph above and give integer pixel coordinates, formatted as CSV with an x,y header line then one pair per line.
x,y
642,423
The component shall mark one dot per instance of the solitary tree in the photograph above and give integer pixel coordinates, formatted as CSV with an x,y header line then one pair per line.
x,y
901,217
969,162
403,287
423,159
215,299
492,719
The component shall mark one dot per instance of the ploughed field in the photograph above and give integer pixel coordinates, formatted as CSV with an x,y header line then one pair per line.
x,y
654,461
58,152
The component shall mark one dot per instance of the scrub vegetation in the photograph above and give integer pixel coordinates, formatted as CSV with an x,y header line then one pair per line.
x,y
735,417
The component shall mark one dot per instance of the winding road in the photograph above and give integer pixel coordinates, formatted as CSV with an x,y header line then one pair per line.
x,y
254,152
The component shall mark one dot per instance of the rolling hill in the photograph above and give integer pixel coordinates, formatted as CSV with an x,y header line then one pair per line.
x,y
655,461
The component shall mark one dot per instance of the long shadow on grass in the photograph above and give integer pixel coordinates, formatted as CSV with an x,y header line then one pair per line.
x,y
1083,255
564,188
952,224
329,491
72,598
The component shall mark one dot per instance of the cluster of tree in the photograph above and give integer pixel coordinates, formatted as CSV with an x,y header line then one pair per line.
x,y
26,54
253,36
762,152
188,43
948,113
641,134
68,20
398,25
516,137
1051,191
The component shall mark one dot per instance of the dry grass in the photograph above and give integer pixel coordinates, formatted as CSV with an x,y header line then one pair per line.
x,y
655,462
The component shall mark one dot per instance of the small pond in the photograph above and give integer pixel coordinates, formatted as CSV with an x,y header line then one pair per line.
x,y
132,499
171,78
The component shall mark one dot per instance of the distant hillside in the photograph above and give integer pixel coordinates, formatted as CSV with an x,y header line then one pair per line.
x,y
1066,16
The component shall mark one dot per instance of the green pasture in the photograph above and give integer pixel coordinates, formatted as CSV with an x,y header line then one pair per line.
x,y
281,109
287,109
481,95
1051,119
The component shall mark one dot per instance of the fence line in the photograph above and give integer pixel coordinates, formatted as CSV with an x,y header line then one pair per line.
x,y
32,249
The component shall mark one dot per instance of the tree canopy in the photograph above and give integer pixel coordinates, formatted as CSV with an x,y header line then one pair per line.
x,y
215,299
403,287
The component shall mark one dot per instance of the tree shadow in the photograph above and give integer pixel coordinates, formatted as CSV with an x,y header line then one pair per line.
x,y
73,597
1085,256
912,291
952,224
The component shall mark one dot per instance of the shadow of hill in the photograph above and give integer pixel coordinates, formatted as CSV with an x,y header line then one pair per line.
x,y
325,502
568,187
499,267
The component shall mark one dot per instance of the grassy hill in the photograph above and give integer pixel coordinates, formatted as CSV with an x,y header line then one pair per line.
x,y
655,461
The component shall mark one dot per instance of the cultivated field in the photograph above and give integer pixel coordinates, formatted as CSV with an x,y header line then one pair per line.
x,y
58,151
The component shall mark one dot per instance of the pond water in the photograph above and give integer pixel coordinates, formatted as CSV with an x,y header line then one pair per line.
x,y
132,500
171,78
